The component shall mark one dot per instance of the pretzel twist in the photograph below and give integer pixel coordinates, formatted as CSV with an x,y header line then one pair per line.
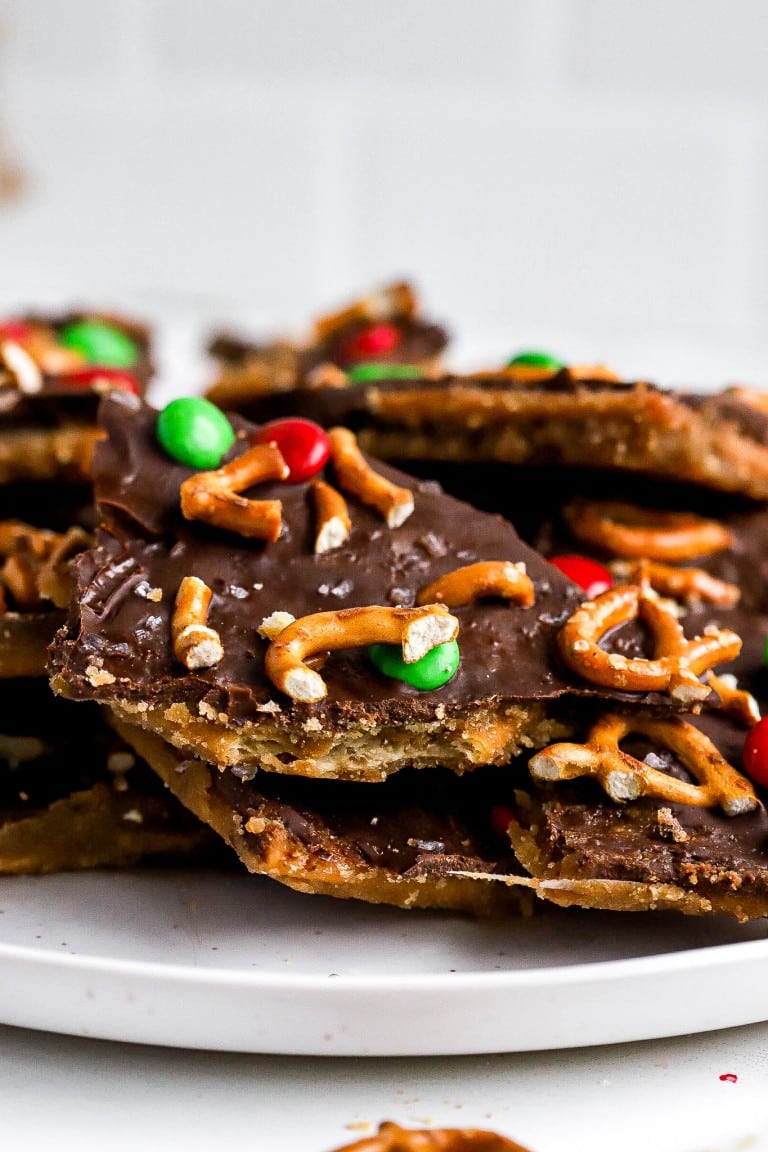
x,y
629,531
333,524
625,778
195,645
214,497
355,475
392,1138
687,584
485,578
677,662
393,302
417,630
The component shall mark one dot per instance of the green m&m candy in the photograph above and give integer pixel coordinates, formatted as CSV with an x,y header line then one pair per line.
x,y
195,432
100,343
362,373
432,671
536,360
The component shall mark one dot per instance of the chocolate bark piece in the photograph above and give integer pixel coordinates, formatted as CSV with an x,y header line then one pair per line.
x,y
248,368
421,839
719,441
507,692
49,432
586,850
74,796
35,589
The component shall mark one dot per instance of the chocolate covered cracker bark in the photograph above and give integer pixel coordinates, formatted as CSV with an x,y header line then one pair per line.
x,y
384,329
562,420
420,839
53,372
348,625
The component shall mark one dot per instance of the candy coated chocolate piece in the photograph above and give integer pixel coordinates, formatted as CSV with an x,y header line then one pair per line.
x,y
100,378
100,343
362,373
755,754
16,330
594,578
377,340
533,359
432,671
304,446
194,432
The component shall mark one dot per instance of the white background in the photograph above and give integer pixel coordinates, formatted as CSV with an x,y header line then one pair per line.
x,y
590,175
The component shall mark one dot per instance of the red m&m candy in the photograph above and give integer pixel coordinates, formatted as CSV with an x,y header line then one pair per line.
x,y
378,340
104,378
755,753
304,445
594,578
16,331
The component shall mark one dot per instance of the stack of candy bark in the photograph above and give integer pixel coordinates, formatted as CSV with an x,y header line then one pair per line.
x,y
72,794
437,640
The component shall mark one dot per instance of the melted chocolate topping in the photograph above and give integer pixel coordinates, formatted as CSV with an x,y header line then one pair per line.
x,y
508,652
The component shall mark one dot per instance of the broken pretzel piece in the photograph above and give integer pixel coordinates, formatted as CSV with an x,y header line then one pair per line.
x,y
626,530
24,371
677,662
418,630
625,778
735,702
332,518
214,497
355,475
195,645
472,582
690,585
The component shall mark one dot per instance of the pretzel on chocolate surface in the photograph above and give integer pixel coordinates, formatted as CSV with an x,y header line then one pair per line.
x,y
392,1138
486,578
418,630
734,701
625,778
686,584
22,368
333,524
629,531
677,662
214,497
195,645
355,475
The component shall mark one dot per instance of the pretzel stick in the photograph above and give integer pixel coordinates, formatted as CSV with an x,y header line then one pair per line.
x,y
473,581
195,645
418,630
355,475
23,369
332,517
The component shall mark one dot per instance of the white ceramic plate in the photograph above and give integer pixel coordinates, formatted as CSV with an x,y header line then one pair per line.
x,y
238,963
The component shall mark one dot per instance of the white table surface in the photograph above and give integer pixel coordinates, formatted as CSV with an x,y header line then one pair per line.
x,y
64,1093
